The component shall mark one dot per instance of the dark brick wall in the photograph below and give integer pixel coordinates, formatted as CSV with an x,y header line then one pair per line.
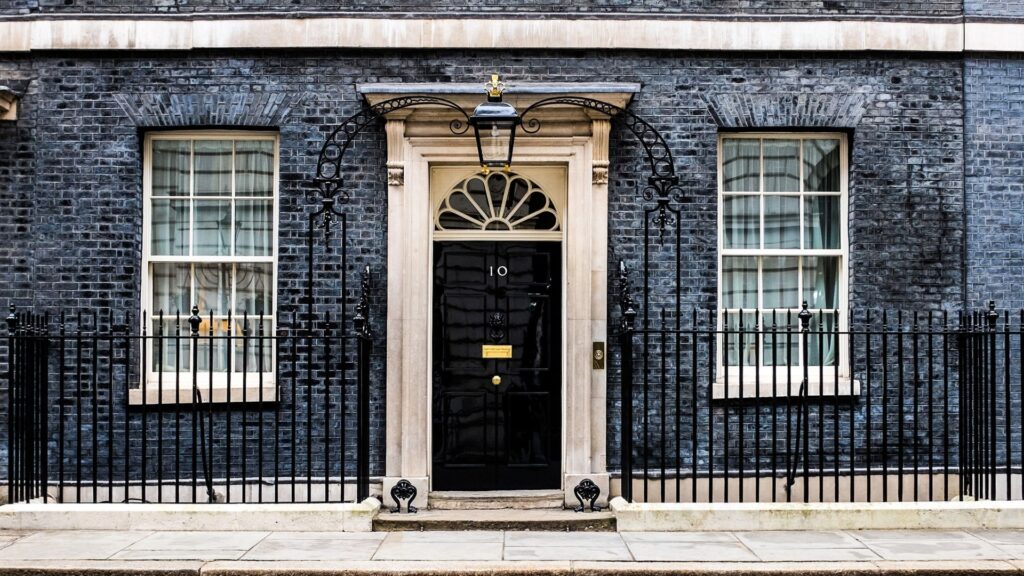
x,y
711,7
994,133
994,8
87,112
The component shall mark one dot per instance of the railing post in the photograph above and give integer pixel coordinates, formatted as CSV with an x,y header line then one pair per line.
x,y
194,321
364,338
12,386
802,411
626,329
991,318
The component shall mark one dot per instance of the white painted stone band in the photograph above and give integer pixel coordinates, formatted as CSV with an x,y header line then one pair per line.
x,y
484,33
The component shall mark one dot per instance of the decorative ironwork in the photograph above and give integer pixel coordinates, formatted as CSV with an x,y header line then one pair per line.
x,y
328,185
626,303
361,320
403,490
587,490
663,183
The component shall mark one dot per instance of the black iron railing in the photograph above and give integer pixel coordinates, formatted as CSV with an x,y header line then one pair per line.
x,y
721,406
195,408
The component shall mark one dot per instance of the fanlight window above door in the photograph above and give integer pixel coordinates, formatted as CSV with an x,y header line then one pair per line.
x,y
497,201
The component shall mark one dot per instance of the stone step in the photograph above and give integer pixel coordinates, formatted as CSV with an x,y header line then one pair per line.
x,y
497,500
543,520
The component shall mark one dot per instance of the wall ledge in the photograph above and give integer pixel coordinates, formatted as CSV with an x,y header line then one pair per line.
x,y
666,517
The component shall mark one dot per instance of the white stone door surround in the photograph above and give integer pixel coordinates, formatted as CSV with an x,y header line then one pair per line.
x,y
569,136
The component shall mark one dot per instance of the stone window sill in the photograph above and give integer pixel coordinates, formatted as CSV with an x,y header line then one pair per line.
x,y
219,393
752,388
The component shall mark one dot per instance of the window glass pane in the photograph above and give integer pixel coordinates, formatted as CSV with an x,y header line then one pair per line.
x,y
213,288
254,227
739,282
741,339
821,341
781,165
781,274
742,220
821,165
171,159
170,346
253,288
248,351
254,168
213,167
781,340
741,165
212,347
172,289
781,221
821,221
821,281
212,227
169,227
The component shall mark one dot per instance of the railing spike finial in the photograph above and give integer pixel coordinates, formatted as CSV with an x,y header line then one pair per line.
x,y
194,321
805,317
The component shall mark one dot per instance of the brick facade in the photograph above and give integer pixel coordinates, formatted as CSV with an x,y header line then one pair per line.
x,y
74,239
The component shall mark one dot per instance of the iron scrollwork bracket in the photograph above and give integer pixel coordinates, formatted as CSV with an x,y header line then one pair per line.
x,y
587,490
328,186
403,490
663,183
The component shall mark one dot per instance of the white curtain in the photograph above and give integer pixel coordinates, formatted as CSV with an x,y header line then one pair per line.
x,y
212,167
254,168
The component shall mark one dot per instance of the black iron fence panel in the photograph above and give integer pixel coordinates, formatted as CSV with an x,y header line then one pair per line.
x,y
195,408
819,405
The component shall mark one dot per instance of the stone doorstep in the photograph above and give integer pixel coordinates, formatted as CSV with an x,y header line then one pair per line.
x,y
500,568
670,517
347,517
537,519
496,500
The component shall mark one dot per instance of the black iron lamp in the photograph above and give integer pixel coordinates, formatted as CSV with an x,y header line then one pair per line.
x,y
495,123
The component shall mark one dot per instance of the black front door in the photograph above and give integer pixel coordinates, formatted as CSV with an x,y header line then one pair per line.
x,y
497,366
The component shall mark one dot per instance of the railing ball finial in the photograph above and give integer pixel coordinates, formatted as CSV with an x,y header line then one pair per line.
x,y
12,319
194,321
805,317
991,316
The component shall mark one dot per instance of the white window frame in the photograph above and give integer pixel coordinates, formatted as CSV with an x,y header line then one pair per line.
x,y
175,387
767,381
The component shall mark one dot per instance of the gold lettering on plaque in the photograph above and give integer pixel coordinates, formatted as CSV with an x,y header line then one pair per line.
x,y
496,351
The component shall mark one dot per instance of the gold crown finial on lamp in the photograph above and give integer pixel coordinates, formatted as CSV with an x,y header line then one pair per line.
x,y
494,88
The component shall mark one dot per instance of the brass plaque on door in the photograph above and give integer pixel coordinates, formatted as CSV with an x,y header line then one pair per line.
x,y
491,351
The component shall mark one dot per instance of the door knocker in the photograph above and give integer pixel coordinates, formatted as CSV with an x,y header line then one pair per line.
x,y
496,324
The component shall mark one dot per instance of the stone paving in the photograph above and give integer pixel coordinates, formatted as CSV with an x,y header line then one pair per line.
x,y
868,547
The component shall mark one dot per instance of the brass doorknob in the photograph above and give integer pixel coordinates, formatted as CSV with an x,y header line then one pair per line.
x,y
496,380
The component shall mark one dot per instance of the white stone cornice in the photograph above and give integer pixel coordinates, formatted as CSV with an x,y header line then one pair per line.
x,y
621,32
994,37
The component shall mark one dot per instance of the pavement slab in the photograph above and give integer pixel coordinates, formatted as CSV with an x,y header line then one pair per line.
x,y
790,539
434,551
691,552
511,553
71,545
199,540
322,546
